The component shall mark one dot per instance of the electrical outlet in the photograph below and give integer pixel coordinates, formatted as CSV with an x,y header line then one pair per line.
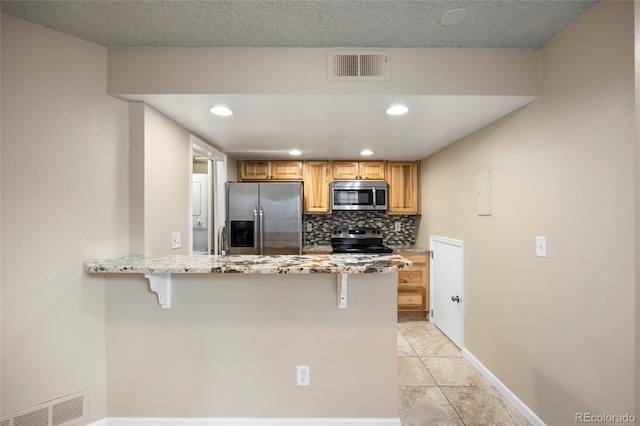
x,y
302,375
175,240
398,226
309,227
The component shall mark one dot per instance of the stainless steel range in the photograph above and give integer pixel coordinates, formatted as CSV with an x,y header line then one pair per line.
x,y
358,240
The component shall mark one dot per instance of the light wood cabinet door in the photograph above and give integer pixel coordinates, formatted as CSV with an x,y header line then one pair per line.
x,y
286,170
404,187
352,170
372,170
253,170
317,187
413,286
263,170
345,170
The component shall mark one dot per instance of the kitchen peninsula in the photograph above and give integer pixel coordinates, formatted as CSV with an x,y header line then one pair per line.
x,y
238,328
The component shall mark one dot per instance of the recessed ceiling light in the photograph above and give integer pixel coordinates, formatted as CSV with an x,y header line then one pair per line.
x,y
222,111
366,152
453,17
397,110
295,152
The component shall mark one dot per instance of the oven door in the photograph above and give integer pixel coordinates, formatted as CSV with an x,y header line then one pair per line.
x,y
361,249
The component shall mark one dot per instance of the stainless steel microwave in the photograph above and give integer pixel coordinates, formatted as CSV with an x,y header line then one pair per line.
x,y
359,195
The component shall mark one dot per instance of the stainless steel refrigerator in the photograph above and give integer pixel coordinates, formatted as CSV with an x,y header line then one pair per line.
x,y
264,218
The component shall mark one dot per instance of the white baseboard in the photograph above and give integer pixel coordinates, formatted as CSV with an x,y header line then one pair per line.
x,y
214,421
526,412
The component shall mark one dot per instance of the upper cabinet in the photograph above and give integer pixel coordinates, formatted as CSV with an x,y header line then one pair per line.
x,y
403,178
317,187
404,187
269,170
350,170
254,170
286,170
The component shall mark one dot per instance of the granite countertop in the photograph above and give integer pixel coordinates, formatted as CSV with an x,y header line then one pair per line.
x,y
407,249
397,249
281,264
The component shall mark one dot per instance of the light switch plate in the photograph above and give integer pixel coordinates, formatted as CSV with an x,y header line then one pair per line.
x,y
175,240
541,246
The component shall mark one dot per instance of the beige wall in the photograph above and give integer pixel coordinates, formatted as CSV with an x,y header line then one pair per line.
x,y
167,169
637,64
230,344
558,331
160,170
136,179
64,199
232,169
258,71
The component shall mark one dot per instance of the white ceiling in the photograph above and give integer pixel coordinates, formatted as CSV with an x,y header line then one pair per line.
x,y
322,126
334,126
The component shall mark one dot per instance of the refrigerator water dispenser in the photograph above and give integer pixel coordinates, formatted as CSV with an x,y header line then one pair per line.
x,y
242,233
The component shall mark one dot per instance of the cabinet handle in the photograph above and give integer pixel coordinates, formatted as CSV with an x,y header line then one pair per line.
x,y
410,277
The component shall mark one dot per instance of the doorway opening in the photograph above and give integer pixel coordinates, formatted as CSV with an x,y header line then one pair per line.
x,y
208,208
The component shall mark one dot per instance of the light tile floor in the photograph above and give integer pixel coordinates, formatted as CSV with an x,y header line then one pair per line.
x,y
437,386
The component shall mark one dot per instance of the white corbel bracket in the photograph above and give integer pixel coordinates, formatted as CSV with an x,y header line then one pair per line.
x,y
161,285
341,287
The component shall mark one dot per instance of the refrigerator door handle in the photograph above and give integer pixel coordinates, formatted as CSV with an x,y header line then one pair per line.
x,y
261,230
222,241
255,230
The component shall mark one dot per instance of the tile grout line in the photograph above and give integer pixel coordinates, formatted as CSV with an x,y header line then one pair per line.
x,y
505,404
437,384
431,375
452,406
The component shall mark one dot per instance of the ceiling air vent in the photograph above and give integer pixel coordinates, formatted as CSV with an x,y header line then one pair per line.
x,y
365,65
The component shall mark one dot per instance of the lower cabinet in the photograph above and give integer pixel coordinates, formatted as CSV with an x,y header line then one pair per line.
x,y
413,287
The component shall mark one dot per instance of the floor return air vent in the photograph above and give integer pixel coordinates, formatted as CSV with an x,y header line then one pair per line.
x,y
64,411
366,65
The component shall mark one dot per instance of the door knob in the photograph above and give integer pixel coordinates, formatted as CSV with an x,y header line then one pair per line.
x,y
455,299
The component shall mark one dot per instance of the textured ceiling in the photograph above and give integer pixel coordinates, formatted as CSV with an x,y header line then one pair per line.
x,y
303,23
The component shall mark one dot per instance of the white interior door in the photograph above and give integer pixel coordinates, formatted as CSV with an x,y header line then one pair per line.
x,y
447,287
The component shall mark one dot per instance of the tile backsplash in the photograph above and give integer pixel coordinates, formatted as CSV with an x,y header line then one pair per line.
x,y
321,226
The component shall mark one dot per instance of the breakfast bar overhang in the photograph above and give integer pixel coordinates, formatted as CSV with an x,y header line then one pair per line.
x,y
159,269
